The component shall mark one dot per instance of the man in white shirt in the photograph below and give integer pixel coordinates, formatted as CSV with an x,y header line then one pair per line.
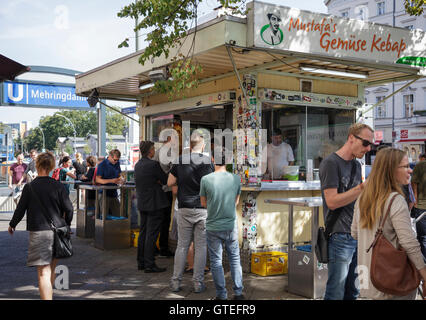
x,y
280,154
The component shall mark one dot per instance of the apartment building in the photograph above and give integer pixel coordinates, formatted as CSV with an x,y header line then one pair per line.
x,y
405,112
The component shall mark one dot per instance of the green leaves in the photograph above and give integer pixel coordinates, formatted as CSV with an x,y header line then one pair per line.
x,y
167,23
414,7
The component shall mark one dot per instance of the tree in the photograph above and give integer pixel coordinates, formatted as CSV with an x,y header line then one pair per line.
x,y
414,7
115,123
168,23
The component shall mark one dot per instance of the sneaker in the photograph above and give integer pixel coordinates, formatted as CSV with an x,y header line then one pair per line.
x,y
217,298
199,288
240,297
175,286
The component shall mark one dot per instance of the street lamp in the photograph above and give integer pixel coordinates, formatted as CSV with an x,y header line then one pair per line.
x,y
44,148
75,139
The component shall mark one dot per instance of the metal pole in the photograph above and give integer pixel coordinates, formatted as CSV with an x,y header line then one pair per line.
x,y
44,147
75,139
101,130
393,84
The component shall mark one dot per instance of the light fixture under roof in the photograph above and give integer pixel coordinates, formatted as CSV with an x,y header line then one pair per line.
x,y
146,86
333,72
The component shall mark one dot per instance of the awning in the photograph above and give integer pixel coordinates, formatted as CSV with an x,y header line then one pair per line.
x,y
125,77
10,69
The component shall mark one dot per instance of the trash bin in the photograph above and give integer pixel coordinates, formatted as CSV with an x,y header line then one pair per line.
x,y
85,212
112,232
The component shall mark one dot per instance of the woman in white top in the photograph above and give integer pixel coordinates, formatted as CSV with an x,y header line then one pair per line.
x,y
390,170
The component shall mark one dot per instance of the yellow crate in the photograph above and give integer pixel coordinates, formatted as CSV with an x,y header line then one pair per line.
x,y
134,235
269,263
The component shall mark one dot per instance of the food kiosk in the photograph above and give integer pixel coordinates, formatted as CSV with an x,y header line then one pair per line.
x,y
307,80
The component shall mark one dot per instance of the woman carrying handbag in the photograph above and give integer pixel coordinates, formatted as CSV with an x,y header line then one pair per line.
x,y
382,226
43,197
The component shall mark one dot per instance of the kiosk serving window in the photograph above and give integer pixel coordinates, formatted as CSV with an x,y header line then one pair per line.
x,y
312,132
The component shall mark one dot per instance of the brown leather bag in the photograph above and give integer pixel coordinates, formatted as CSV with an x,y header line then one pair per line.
x,y
391,270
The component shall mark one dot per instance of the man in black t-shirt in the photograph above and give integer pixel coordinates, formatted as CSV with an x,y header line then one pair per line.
x,y
341,184
187,175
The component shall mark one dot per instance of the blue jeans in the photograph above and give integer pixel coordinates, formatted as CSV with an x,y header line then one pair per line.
x,y
342,283
214,244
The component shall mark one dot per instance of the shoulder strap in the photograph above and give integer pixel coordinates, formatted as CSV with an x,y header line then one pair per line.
x,y
44,211
382,222
379,231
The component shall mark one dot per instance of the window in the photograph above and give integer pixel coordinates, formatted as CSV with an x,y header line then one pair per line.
x,y
306,85
381,108
380,8
345,14
361,13
408,105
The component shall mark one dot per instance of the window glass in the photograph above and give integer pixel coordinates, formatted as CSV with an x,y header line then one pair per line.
x,y
381,108
291,120
327,131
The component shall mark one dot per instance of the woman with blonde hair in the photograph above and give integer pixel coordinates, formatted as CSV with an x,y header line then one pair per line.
x,y
56,205
390,171
80,165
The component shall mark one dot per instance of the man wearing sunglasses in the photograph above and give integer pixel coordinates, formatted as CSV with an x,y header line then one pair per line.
x,y
341,184
108,173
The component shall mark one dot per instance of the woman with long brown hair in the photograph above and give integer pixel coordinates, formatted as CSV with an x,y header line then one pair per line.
x,y
390,171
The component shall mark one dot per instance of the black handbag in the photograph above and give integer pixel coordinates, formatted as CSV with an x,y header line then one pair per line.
x,y
62,245
321,247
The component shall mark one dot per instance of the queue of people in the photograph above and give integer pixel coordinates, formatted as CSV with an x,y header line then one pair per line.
x,y
206,198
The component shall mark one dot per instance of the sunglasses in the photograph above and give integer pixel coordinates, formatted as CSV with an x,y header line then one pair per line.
x,y
365,143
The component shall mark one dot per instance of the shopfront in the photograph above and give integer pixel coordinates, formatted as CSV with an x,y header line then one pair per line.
x,y
298,85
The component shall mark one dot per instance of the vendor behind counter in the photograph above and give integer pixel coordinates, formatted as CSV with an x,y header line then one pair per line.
x,y
280,154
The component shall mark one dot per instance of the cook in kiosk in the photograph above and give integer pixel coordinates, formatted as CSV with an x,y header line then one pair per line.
x,y
280,154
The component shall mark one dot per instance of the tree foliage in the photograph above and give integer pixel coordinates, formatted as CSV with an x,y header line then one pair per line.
x,y
414,7
85,122
168,23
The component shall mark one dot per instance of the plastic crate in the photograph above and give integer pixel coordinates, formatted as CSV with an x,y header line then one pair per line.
x,y
269,263
134,235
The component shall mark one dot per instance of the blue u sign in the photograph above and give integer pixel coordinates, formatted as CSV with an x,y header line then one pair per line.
x,y
42,95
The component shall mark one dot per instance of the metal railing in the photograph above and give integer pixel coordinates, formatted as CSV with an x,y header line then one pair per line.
x,y
7,204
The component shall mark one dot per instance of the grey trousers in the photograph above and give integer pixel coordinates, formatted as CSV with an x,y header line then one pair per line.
x,y
191,225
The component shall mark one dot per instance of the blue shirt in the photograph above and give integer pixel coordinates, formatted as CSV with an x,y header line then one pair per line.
x,y
107,170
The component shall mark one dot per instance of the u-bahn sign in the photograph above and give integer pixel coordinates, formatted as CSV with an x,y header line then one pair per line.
x,y
40,95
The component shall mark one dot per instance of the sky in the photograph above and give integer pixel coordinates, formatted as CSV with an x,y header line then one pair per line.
x,y
75,34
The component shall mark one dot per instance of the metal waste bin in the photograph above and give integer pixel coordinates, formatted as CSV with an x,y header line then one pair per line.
x,y
85,211
306,276
113,232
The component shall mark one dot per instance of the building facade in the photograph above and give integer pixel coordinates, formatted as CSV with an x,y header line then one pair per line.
x,y
405,112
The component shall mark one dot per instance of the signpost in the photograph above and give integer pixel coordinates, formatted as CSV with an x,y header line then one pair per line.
x,y
42,95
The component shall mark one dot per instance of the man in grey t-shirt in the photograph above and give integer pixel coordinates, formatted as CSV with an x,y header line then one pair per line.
x,y
339,195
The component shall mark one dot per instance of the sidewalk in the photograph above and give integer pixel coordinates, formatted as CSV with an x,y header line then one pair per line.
x,y
98,274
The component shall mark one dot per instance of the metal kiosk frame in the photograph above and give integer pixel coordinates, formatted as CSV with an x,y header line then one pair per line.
x,y
306,276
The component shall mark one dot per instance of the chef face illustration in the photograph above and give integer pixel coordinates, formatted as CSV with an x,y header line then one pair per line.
x,y
271,33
